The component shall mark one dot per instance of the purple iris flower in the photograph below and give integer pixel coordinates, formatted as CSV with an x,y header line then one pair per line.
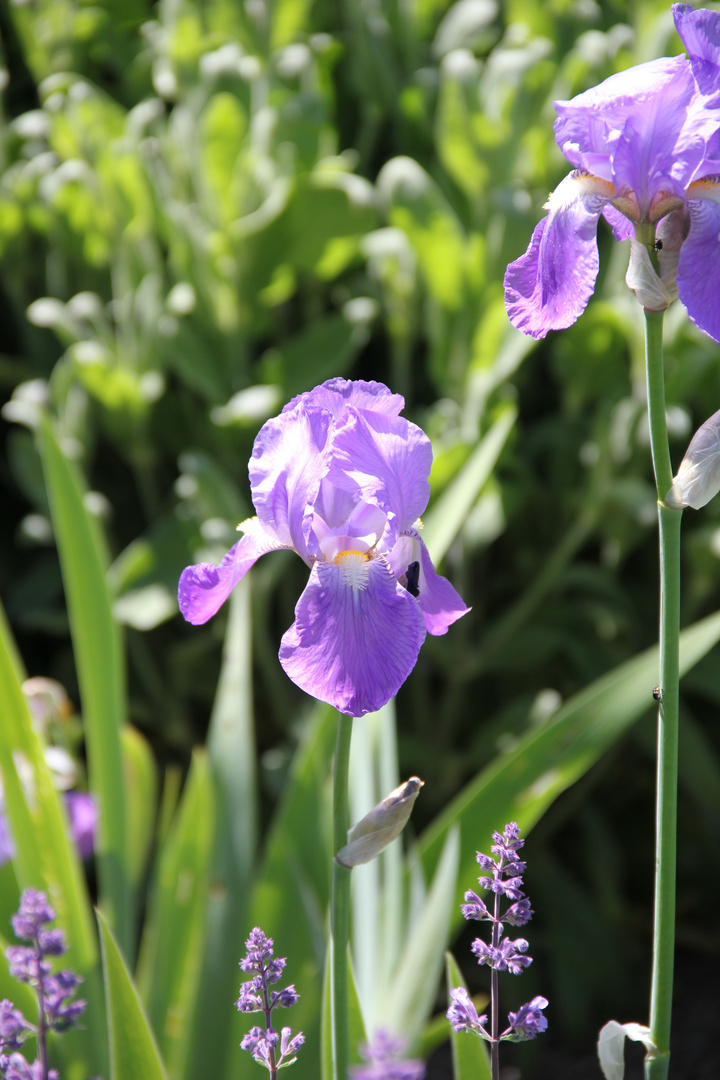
x,y
341,479
645,146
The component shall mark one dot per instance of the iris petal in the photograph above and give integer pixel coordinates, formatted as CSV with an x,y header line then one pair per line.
x,y
549,286
698,277
440,604
335,395
353,648
388,459
290,457
204,588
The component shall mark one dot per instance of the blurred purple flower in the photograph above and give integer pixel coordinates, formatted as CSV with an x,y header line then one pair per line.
x,y
29,963
15,1067
13,1027
645,146
83,816
341,479
384,1061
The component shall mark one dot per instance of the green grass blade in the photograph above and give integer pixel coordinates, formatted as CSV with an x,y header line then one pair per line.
x,y
173,943
141,782
45,858
521,785
414,988
446,517
357,1033
133,1050
99,660
231,748
471,1060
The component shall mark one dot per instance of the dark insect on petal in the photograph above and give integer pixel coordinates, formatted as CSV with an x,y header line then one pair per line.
x,y
412,579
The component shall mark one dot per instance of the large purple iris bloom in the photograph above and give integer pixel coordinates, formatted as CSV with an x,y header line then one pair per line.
x,y
340,478
645,146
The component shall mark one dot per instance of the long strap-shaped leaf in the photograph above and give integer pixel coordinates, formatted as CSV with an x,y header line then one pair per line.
x,y
520,786
133,1051
98,657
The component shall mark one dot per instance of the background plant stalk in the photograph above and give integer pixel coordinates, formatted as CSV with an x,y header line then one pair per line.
x,y
669,521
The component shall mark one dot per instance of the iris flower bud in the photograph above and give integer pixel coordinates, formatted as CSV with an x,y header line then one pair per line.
x,y
698,478
380,826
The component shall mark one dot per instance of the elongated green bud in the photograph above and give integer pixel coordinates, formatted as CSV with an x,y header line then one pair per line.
x,y
380,826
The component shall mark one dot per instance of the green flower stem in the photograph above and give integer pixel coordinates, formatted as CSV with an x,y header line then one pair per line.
x,y
340,904
669,520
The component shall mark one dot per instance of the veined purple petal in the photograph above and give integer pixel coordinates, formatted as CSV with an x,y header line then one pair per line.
x,y
654,97
440,603
699,32
204,588
622,227
350,645
698,277
549,286
336,394
388,460
289,458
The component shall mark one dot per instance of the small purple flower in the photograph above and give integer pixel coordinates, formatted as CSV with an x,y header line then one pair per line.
x,y
341,479
268,1048
506,956
384,1061
645,146
528,1021
16,1067
13,1027
463,1015
33,913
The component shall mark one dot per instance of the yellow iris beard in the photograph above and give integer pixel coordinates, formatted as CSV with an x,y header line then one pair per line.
x,y
354,566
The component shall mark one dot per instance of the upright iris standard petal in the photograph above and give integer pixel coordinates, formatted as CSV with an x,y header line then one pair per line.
x,y
549,286
698,276
288,461
388,459
353,642
204,588
336,395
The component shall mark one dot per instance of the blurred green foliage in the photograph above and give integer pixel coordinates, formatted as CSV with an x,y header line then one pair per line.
x,y
208,207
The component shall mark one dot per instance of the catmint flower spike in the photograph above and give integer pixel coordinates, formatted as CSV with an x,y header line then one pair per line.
x,y
380,826
698,478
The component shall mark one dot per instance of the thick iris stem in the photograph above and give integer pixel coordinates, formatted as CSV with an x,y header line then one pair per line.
x,y
340,904
494,1003
669,520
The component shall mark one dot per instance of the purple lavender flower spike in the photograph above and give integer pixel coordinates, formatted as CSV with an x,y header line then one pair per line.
x,y
271,1050
503,878
341,479
645,146
383,1057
